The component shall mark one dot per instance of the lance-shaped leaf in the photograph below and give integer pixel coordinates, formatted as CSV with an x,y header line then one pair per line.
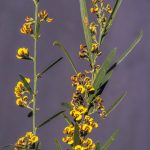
x,y
49,67
67,119
26,84
111,139
76,135
60,45
110,21
129,50
38,146
100,77
98,147
58,145
116,103
66,105
105,66
126,52
50,119
85,22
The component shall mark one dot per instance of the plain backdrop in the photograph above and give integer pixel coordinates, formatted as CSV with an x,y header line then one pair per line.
x,y
132,117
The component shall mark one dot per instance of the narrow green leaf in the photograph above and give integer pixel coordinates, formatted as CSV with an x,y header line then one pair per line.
x,y
76,135
49,67
60,45
116,103
85,22
98,147
58,144
26,84
110,21
132,46
50,119
102,75
66,105
5,146
38,146
67,119
111,139
105,66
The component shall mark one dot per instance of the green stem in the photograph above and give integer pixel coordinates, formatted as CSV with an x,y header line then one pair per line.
x,y
35,68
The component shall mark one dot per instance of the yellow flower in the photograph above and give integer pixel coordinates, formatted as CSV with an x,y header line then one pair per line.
x,y
94,10
19,89
69,129
23,53
94,47
29,19
43,15
94,1
21,141
26,28
89,143
82,46
26,141
22,102
80,89
19,92
79,147
31,138
28,80
76,114
108,8
93,28
86,128
87,118
90,88
68,140
82,109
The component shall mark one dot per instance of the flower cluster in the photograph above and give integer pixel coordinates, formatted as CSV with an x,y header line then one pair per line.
x,y
43,16
21,93
82,106
26,142
82,83
100,10
84,88
85,127
27,27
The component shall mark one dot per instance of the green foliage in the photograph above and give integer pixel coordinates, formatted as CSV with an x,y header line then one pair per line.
x,y
131,47
110,140
67,119
76,135
85,22
66,105
60,45
38,146
58,145
98,147
116,103
26,84
100,77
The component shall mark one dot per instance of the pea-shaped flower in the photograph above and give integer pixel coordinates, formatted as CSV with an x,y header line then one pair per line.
x,y
23,53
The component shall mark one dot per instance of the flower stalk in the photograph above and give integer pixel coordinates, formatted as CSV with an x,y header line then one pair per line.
x,y
35,67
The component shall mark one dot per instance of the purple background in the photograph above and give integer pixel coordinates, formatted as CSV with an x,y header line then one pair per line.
x,y
132,117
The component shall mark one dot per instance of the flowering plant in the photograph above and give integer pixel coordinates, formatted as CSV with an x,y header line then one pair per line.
x,y
89,84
